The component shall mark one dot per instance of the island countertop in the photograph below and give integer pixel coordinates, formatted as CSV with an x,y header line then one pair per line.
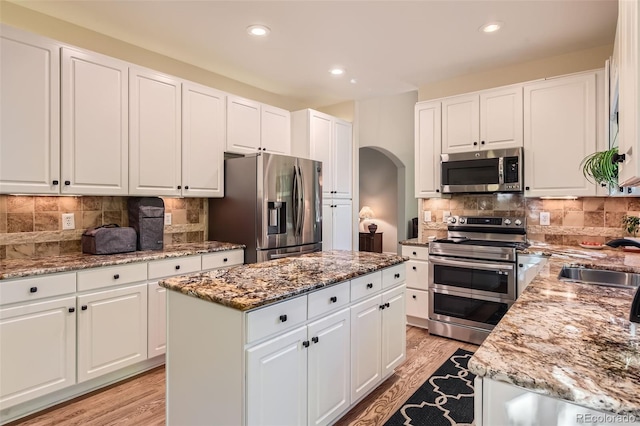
x,y
250,286
568,340
17,268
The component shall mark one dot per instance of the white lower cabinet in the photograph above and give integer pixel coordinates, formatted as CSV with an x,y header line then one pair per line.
x,y
417,285
112,330
37,349
337,226
157,319
378,339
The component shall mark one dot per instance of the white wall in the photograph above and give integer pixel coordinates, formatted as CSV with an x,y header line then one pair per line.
x,y
387,124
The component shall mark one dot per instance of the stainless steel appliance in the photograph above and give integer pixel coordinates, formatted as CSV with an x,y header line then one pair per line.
x,y
473,275
272,204
493,170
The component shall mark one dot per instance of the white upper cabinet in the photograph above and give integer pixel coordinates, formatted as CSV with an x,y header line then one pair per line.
x,y
30,119
628,108
203,138
254,127
491,119
342,159
559,131
154,134
427,149
94,124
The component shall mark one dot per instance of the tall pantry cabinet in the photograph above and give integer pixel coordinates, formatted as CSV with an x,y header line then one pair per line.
x,y
325,138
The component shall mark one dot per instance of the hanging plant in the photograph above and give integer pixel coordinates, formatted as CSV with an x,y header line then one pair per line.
x,y
631,224
599,167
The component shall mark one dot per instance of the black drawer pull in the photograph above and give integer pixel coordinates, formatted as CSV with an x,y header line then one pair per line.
x,y
33,289
370,285
83,307
305,343
386,305
333,299
179,186
415,297
116,276
415,254
72,310
283,318
225,260
315,339
55,182
521,265
396,276
177,267
381,307
67,182
415,268
186,187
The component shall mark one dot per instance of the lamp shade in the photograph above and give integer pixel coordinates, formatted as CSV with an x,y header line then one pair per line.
x,y
366,213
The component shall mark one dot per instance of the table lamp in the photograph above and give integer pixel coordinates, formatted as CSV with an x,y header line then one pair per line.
x,y
367,213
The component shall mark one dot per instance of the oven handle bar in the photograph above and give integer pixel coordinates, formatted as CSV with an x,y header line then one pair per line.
x,y
467,264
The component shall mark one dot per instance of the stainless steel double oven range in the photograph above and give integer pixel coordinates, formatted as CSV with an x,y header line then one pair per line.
x,y
473,275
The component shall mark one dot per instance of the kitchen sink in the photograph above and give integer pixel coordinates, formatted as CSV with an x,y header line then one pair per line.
x,y
599,277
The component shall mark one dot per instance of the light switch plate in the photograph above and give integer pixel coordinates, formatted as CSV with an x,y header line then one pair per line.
x,y
167,218
545,218
427,216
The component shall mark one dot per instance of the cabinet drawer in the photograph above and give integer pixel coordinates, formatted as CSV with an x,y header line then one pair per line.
x,y
174,266
415,252
276,318
418,303
328,299
33,288
417,274
393,275
222,259
91,279
366,285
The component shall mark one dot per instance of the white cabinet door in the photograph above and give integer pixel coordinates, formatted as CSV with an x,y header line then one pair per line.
x,y
157,320
154,134
337,224
277,381
94,124
30,119
342,159
559,131
243,125
427,149
37,349
320,142
203,141
329,368
460,123
366,338
501,118
275,127
417,304
394,336
112,330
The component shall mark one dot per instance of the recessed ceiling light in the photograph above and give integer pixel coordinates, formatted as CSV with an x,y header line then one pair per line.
x,y
353,81
336,71
491,27
258,30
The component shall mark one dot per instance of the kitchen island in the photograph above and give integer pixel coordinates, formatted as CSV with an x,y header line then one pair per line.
x,y
290,341
564,351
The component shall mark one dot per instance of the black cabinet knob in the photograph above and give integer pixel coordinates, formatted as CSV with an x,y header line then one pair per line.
x,y
396,276
475,143
67,182
437,190
382,306
521,265
305,343
72,310
83,307
414,268
177,267
33,289
386,305
179,186
370,285
225,260
283,318
481,142
526,187
315,339
116,276
618,158
264,149
415,297
186,187
415,254
333,299
55,182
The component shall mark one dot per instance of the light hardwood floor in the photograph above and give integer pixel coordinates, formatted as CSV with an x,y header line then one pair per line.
x,y
140,401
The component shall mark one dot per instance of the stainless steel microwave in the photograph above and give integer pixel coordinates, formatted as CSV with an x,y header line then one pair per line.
x,y
493,170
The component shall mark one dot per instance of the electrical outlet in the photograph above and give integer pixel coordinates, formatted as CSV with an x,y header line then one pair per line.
x,y
68,221
167,218
427,216
445,215
545,218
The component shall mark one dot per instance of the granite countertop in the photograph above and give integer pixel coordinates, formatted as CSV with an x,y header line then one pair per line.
x,y
16,268
568,340
250,286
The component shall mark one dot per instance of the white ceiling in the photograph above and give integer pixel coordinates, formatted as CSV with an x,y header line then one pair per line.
x,y
390,47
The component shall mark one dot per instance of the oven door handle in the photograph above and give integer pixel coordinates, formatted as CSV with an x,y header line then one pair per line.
x,y
468,264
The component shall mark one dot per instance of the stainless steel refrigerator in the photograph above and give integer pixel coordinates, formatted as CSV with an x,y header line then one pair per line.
x,y
272,204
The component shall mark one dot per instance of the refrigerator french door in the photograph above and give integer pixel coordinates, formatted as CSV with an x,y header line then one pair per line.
x,y
272,204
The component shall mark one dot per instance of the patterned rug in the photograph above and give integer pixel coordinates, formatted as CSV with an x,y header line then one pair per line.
x,y
445,399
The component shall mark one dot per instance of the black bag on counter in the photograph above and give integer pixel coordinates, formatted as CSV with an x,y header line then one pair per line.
x,y
146,216
109,239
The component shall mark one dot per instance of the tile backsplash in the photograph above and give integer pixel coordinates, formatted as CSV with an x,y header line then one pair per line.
x,y
31,226
596,219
